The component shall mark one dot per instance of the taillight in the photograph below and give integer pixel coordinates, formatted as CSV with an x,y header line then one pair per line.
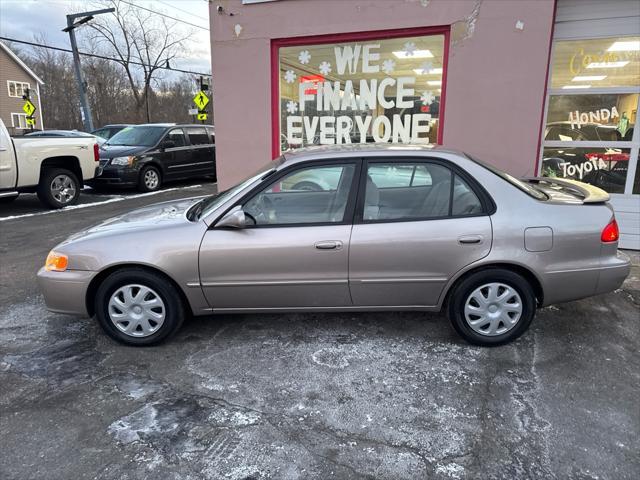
x,y
96,152
610,232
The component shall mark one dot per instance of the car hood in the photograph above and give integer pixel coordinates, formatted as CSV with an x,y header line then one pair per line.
x,y
151,217
112,151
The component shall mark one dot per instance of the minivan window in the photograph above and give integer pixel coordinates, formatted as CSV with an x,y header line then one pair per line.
x,y
198,136
141,135
177,136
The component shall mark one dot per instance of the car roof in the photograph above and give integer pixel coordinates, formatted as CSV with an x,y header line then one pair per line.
x,y
369,149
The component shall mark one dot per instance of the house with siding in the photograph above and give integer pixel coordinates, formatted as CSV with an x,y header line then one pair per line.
x,y
15,78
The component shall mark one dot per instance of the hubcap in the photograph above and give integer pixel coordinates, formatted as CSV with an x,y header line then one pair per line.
x,y
493,309
136,310
63,188
151,179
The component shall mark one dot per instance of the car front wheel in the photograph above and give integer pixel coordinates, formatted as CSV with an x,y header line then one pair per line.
x,y
492,307
138,307
150,179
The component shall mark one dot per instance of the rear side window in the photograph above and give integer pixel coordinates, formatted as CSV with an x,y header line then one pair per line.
x,y
198,136
177,137
212,135
465,201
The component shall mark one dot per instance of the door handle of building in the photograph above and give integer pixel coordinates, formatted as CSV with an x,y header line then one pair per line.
x,y
329,245
469,239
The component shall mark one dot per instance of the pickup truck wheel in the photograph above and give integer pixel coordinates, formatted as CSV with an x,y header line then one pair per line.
x,y
150,179
58,188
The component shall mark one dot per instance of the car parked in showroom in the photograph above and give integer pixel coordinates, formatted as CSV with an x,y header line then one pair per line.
x,y
476,242
146,156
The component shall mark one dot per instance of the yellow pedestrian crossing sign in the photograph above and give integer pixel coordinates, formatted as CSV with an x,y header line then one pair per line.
x,y
28,108
201,100
202,116
31,121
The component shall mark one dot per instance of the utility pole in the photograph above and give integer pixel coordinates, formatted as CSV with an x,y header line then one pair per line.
x,y
82,87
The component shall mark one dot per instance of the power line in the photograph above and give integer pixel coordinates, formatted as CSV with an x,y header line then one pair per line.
x,y
100,56
164,15
179,9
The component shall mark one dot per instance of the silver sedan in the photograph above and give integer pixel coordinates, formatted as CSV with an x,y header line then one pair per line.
x,y
361,228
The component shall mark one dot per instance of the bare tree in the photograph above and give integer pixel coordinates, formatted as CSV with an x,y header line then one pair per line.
x,y
141,42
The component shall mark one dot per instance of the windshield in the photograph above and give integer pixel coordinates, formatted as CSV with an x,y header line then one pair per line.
x,y
525,187
209,204
141,135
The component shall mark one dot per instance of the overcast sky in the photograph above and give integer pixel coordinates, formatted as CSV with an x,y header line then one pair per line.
x,y
22,19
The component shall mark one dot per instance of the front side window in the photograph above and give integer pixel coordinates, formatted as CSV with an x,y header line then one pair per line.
x,y
382,90
398,191
306,196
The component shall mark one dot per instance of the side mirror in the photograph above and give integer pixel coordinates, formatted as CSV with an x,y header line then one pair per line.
x,y
233,219
167,144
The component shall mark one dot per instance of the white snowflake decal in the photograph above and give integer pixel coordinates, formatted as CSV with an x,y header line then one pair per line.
x,y
409,48
304,56
289,76
325,68
427,98
292,107
426,67
388,66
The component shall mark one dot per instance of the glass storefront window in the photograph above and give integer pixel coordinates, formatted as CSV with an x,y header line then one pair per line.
x,y
605,168
601,117
596,63
384,90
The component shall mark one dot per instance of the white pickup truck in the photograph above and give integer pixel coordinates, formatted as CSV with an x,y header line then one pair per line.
x,y
54,168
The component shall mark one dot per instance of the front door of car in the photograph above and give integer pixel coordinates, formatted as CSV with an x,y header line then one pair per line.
x,y
295,251
176,156
417,224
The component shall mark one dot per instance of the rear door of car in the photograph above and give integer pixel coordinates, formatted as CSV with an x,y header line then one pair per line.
x,y
202,154
417,223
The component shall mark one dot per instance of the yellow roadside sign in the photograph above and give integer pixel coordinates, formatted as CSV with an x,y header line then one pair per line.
x,y
31,121
28,108
201,100
202,116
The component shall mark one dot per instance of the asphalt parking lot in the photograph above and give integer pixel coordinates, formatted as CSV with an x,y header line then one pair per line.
x,y
313,396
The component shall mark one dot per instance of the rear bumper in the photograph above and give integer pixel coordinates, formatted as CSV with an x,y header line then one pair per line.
x,y
613,273
65,292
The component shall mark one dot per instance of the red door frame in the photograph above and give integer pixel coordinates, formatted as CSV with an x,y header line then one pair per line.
x,y
349,37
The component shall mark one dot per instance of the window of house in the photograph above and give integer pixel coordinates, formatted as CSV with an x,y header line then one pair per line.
x,y
19,120
592,110
387,89
17,89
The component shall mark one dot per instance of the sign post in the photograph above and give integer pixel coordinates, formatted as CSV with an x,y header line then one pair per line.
x,y
29,108
201,100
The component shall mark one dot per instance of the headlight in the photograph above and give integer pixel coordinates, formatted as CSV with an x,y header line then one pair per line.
x,y
122,160
56,262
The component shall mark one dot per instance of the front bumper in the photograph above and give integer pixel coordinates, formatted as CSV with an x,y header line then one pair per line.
x,y
65,292
115,175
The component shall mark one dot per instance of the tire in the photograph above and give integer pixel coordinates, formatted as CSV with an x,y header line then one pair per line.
x,y
150,179
481,321
58,188
120,311
5,200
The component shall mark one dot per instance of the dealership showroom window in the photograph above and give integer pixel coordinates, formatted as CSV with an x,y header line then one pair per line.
x,y
372,89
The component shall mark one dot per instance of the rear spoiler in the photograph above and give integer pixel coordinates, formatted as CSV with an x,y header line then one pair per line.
x,y
587,192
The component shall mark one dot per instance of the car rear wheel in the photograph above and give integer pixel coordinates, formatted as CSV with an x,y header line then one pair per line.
x,y
137,307
150,179
58,188
492,307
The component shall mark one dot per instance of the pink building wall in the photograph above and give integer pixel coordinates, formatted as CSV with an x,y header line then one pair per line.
x,y
495,83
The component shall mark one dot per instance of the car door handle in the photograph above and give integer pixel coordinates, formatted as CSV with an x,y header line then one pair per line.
x,y
329,245
469,239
